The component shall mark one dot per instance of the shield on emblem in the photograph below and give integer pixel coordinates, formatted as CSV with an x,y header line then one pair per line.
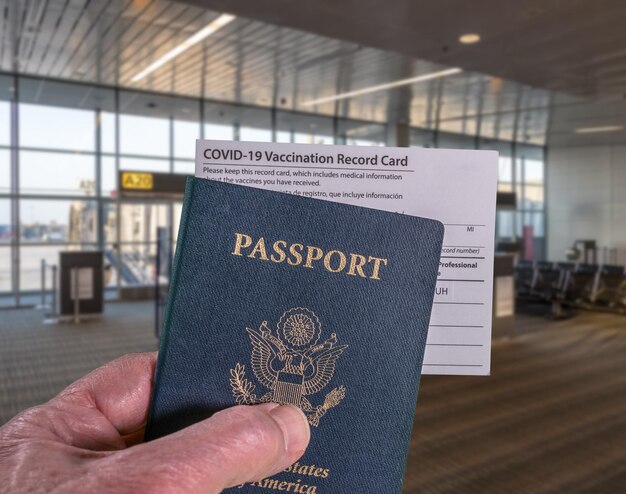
x,y
288,389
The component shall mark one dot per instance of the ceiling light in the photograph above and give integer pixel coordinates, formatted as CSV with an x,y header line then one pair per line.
x,y
382,87
208,30
603,128
469,38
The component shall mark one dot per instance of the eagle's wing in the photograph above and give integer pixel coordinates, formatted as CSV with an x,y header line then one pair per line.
x,y
324,365
263,351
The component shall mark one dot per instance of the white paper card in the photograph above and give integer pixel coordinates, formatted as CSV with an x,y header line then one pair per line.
x,y
456,187
84,278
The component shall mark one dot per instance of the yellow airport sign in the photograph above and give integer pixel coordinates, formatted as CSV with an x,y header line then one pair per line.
x,y
137,181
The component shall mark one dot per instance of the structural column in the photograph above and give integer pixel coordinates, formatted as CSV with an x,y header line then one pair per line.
x,y
398,135
15,188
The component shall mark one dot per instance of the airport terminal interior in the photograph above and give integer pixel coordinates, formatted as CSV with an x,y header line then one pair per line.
x,y
90,90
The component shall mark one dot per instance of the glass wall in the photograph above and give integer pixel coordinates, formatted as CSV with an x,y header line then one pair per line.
x,y
57,168
520,170
300,128
6,222
58,171
530,189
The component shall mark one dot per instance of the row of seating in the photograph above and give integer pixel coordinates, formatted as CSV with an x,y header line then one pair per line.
x,y
586,286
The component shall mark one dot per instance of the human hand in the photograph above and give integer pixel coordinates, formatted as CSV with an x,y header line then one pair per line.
x,y
88,439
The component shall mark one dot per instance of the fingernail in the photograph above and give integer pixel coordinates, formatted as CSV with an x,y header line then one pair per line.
x,y
295,427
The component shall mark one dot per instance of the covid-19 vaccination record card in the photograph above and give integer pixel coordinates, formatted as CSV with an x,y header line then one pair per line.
x,y
456,187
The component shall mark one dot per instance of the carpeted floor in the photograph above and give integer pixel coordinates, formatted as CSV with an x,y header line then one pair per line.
x,y
37,361
550,419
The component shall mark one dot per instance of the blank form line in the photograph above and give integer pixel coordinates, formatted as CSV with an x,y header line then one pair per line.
x,y
460,303
460,257
465,246
314,168
458,279
459,224
454,326
451,344
454,365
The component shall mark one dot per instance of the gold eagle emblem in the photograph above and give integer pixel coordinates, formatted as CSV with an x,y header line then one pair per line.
x,y
292,364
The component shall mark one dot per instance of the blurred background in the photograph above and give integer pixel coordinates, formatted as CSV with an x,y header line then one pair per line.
x,y
90,90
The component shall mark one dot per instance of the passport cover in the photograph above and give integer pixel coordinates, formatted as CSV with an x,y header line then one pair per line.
x,y
277,297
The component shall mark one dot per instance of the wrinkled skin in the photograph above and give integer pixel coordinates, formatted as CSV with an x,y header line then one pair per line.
x,y
89,439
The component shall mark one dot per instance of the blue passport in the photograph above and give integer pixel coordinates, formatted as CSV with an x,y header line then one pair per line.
x,y
281,298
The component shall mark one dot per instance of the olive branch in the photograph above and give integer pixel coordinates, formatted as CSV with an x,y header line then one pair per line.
x,y
332,400
334,397
243,390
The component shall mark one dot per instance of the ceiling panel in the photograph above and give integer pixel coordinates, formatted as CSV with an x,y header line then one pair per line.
x,y
576,46
258,63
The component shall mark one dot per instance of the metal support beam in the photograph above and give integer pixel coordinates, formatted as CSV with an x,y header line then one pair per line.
x,y
15,187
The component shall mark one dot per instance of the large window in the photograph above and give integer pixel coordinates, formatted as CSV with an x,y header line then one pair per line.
x,y
43,172
75,138
107,124
6,226
186,129
219,121
145,164
145,125
505,174
40,128
455,141
303,129
5,171
6,234
422,138
219,132
253,124
530,188
5,128
356,133
521,170
48,227
185,135
144,136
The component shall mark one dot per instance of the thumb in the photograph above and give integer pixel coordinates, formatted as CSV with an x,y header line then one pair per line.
x,y
234,446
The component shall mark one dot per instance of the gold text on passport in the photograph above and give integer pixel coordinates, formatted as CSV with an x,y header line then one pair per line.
x,y
308,256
